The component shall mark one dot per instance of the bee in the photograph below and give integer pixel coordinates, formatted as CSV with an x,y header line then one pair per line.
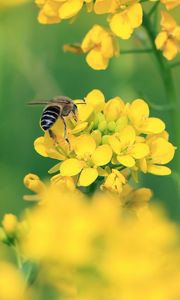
x,y
57,107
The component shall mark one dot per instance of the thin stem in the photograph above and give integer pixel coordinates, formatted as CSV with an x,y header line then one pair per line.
x,y
136,51
174,65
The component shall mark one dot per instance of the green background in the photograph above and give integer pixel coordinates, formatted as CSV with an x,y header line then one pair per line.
x,y
34,66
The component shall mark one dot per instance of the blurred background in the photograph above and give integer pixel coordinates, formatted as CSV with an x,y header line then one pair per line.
x,y
34,66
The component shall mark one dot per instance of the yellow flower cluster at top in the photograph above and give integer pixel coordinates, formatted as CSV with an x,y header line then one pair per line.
x,y
124,16
110,141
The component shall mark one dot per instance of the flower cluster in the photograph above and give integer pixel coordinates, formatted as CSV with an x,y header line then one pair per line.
x,y
84,249
110,141
169,38
124,16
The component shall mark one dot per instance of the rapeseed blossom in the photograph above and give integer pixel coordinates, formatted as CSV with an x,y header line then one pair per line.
x,y
125,15
108,138
55,11
101,46
169,38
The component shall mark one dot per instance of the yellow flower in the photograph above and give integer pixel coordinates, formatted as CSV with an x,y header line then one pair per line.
x,y
135,200
101,46
124,23
65,183
114,182
126,148
55,11
138,114
161,152
126,15
89,157
168,39
170,4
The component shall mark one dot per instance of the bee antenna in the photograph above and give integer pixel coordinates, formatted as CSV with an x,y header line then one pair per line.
x,y
81,102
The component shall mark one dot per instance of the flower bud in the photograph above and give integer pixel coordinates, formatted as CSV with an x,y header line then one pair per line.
x,y
33,182
9,223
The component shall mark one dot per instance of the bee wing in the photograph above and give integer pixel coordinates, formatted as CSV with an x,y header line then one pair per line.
x,y
38,102
56,101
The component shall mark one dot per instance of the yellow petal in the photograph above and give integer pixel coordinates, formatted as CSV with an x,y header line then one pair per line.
x,y
84,145
113,109
161,39
115,144
171,49
126,160
140,150
135,14
87,176
159,170
167,21
70,8
96,134
138,111
102,155
96,60
95,99
152,125
71,167
127,136
39,146
79,127
121,26
85,111
161,151
103,6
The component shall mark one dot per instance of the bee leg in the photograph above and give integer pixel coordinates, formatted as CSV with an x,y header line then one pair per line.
x,y
53,136
65,131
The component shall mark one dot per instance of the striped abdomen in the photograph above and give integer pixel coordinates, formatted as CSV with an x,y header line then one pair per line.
x,y
49,117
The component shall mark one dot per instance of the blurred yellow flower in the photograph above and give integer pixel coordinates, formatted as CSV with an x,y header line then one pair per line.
x,y
55,11
107,254
101,46
170,4
169,38
114,182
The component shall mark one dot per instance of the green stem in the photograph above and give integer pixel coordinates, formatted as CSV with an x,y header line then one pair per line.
x,y
174,65
136,51
166,76
153,9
